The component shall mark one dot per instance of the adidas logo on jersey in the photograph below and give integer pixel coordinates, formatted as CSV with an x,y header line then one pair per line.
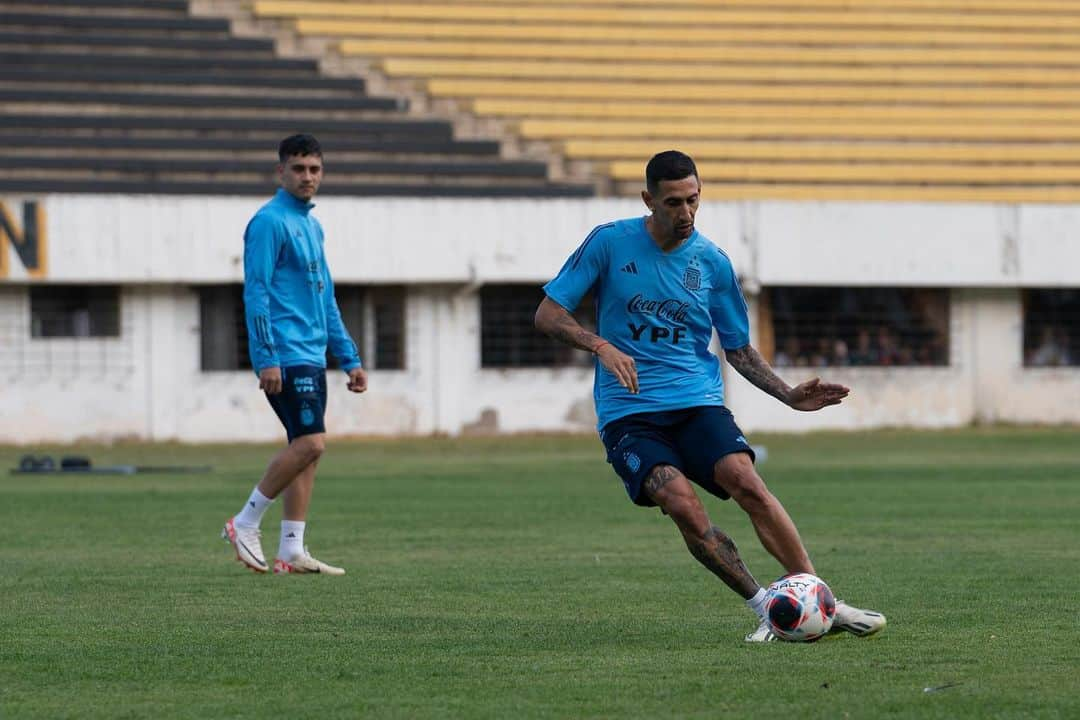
x,y
630,268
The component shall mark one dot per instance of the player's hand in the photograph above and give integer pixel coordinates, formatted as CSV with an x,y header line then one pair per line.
x,y
270,380
357,380
620,365
814,395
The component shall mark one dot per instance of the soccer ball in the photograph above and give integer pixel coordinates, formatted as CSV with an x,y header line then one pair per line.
x,y
800,607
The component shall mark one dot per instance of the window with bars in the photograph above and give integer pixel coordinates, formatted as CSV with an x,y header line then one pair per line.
x,y
373,315
223,331
74,311
508,337
857,326
387,340
62,330
1051,319
375,318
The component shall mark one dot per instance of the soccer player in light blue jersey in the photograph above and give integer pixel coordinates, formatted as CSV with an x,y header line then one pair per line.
x,y
292,319
661,287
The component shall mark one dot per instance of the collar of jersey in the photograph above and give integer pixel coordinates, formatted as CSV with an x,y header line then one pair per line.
x,y
644,230
286,197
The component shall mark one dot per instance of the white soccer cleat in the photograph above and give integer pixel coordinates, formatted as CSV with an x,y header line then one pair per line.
x,y
857,621
763,633
246,542
304,564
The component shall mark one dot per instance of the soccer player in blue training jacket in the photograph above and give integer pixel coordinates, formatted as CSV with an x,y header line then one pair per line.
x,y
660,288
292,316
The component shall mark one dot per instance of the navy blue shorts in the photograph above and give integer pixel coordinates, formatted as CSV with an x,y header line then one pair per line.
x,y
690,440
301,404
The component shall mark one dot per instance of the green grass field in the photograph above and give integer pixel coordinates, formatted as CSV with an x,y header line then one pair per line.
x,y
510,578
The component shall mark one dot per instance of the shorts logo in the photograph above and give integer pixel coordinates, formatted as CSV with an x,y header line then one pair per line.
x,y
742,440
632,461
304,384
307,417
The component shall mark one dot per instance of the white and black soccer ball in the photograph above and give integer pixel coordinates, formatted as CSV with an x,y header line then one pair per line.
x,y
800,607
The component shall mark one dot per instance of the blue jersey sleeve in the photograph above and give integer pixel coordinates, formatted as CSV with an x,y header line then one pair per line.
x,y
581,271
727,307
262,244
340,342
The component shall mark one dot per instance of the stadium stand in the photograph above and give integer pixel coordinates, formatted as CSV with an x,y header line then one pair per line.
x,y
922,100
140,96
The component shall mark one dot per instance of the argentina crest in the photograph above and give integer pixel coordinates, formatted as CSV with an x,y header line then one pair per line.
x,y
692,277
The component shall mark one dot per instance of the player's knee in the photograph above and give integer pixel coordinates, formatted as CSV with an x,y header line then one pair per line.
x,y
311,447
688,513
679,507
755,499
745,486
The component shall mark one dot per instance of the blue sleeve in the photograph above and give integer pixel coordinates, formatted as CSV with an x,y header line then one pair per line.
x,y
580,271
262,244
341,343
727,307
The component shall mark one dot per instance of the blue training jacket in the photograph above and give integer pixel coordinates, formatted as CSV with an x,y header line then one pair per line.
x,y
292,315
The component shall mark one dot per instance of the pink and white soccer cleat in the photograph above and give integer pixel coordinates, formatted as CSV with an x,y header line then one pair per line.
x,y
246,542
304,564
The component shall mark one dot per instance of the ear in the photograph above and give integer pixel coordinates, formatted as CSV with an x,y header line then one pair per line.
x,y
648,200
281,172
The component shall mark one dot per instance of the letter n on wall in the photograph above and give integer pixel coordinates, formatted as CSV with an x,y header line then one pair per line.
x,y
28,241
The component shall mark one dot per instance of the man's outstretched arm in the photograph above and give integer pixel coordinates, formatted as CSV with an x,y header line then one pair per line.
x,y
810,395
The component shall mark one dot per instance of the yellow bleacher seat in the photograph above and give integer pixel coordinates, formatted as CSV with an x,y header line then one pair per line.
x,y
1017,153
816,192
695,92
622,52
864,5
580,129
731,72
870,172
719,111
671,16
861,5
812,36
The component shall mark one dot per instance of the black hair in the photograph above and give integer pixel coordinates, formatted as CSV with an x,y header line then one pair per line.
x,y
668,165
298,145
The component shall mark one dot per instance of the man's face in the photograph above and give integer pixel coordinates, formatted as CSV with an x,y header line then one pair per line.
x,y
673,208
300,175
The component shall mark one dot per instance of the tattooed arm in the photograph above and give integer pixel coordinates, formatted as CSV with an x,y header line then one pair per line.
x,y
810,395
553,319
753,367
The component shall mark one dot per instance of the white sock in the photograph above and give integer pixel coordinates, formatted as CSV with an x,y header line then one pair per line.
x,y
253,510
292,539
757,603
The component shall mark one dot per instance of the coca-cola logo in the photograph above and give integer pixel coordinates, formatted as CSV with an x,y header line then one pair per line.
x,y
668,309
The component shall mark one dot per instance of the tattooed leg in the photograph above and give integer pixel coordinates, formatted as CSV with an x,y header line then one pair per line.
x,y
717,552
670,489
658,479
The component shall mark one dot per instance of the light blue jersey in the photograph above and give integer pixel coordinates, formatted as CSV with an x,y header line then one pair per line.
x,y
659,308
292,315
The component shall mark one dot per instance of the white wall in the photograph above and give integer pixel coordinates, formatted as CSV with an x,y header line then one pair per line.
x,y
148,384
148,239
